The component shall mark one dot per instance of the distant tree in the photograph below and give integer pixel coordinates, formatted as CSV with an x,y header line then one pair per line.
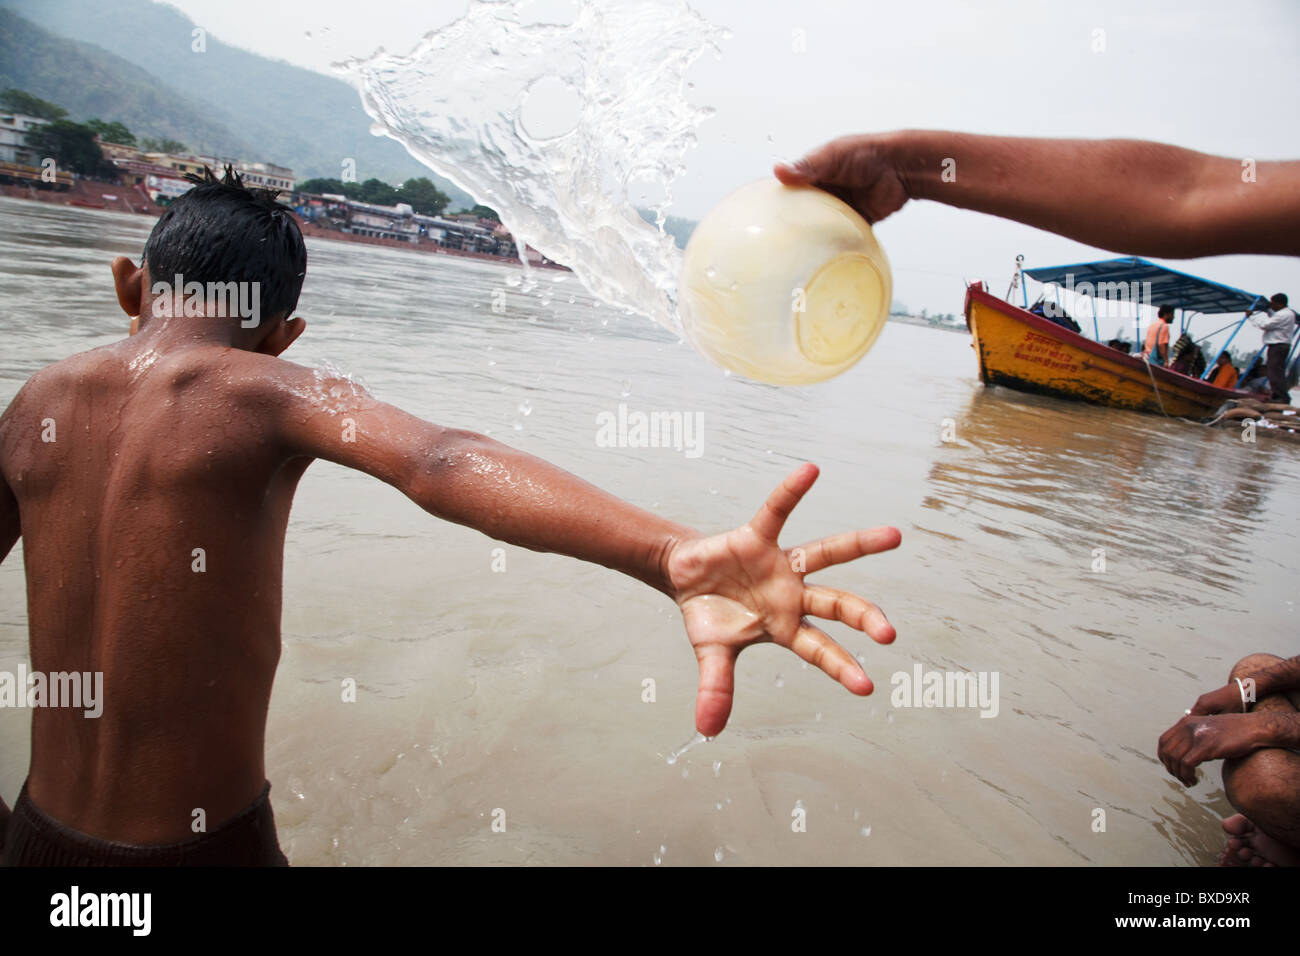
x,y
424,197
71,144
21,101
112,132
485,212
163,145
319,185
379,192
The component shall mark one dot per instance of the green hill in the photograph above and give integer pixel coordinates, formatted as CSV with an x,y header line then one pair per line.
x,y
292,116
88,83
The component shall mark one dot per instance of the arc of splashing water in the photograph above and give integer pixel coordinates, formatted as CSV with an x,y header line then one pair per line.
x,y
455,102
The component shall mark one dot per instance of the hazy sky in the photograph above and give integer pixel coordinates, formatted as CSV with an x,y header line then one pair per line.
x,y
1223,78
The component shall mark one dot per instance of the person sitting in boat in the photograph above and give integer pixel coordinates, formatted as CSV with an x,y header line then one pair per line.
x,y
1121,345
1252,724
1156,347
1187,357
1054,312
1225,373
1255,379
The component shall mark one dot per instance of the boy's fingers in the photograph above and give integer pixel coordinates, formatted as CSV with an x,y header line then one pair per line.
x,y
832,604
717,687
771,516
849,546
816,647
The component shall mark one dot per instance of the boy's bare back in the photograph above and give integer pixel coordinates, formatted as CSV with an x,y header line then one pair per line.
x,y
154,502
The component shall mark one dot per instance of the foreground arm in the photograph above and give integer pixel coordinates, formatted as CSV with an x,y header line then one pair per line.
x,y
1194,740
733,589
1274,679
1131,196
1217,726
10,531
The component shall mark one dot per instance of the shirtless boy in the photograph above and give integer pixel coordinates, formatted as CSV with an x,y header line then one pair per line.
x,y
115,464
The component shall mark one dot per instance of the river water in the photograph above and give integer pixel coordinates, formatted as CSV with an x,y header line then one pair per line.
x,y
1106,566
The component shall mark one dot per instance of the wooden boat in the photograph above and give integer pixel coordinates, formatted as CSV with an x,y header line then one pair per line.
x,y
1028,352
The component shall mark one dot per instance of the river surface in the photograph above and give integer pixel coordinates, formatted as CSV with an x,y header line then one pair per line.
x,y
1106,566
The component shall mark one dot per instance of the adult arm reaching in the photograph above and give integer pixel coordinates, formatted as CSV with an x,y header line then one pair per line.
x,y
1130,196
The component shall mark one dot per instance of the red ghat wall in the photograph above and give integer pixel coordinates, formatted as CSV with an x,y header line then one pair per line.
x,y
94,195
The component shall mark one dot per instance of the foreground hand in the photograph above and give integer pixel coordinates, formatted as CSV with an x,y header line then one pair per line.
x,y
855,169
1194,740
741,588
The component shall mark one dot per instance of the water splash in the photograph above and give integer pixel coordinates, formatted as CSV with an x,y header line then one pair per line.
x,y
697,739
553,125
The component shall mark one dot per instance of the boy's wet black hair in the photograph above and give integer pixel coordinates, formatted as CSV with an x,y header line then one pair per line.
x,y
222,231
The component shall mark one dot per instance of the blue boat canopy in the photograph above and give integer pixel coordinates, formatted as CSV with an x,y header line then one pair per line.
x,y
1178,289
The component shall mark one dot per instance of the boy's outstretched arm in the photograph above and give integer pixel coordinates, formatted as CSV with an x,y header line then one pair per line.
x,y
734,589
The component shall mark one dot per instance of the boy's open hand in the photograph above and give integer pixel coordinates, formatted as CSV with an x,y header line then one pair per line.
x,y
741,588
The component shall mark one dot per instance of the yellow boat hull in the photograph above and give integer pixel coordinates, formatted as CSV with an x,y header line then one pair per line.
x,y
1031,354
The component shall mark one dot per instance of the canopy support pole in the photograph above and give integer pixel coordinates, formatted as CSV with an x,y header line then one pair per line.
x,y
1210,368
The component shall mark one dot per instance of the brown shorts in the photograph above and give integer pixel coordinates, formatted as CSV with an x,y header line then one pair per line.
x,y
35,839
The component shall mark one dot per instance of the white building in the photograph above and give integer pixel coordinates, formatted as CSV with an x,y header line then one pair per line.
x,y
14,147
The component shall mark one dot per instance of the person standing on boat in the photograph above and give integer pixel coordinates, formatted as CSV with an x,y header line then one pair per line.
x,y
1156,347
1278,324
